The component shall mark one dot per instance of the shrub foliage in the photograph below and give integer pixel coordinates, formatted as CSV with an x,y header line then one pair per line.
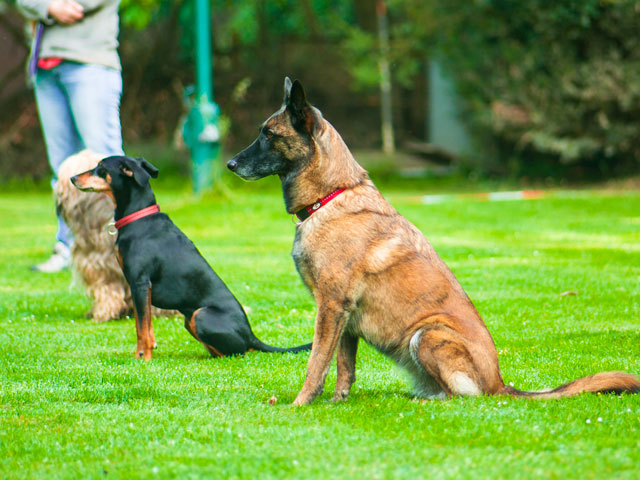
x,y
550,84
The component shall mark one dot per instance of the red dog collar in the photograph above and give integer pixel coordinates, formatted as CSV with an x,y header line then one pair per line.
x,y
309,210
145,212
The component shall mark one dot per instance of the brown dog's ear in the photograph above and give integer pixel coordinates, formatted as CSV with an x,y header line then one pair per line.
x,y
297,101
287,91
302,116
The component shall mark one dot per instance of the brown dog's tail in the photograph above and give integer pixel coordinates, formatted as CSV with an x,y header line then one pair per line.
x,y
605,382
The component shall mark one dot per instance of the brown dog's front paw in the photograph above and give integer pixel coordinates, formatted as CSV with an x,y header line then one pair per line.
x,y
340,396
303,399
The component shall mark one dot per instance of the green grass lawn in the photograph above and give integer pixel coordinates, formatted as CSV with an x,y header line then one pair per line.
x,y
74,403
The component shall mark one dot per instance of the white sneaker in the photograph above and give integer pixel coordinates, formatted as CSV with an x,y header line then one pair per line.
x,y
59,260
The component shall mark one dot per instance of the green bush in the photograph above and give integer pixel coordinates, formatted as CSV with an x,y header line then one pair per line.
x,y
548,87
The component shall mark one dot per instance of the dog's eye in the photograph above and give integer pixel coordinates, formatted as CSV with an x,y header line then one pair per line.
x,y
268,133
101,172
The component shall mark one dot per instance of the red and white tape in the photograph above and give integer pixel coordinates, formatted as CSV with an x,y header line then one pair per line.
x,y
488,197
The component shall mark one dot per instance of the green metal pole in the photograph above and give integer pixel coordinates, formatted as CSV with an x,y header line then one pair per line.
x,y
202,125
203,50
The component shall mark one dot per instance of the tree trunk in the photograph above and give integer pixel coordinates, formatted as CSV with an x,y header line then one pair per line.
x,y
388,143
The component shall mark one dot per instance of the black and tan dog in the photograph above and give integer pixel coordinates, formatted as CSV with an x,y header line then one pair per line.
x,y
164,268
372,273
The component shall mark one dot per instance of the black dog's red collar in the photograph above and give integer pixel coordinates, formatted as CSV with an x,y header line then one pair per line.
x,y
309,210
137,216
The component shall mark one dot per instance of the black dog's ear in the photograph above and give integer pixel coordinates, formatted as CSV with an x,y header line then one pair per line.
x,y
139,169
151,170
126,168
302,116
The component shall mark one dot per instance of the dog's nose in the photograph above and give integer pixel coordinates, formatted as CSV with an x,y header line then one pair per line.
x,y
232,164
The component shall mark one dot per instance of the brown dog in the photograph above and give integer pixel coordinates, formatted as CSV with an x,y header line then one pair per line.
x,y
373,274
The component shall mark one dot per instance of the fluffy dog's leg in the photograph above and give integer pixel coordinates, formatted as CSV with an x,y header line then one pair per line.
x,y
108,302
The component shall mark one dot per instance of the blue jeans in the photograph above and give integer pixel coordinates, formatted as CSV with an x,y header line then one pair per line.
x,y
79,107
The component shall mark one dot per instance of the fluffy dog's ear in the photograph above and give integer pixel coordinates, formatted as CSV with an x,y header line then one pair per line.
x,y
136,168
302,116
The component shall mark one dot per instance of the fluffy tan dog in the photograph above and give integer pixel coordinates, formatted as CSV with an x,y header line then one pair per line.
x,y
93,249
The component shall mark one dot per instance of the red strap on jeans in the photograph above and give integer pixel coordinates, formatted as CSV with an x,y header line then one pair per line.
x,y
49,63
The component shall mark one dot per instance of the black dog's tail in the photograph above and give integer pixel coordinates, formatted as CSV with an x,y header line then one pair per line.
x,y
263,347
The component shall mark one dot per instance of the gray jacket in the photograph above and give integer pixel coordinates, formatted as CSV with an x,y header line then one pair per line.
x,y
94,39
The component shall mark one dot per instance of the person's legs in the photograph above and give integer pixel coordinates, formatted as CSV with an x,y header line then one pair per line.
x,y
94,95
61,140
79,107
58,128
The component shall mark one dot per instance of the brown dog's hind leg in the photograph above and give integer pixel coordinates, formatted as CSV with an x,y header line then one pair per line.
x,y
442,353
346,360
330,322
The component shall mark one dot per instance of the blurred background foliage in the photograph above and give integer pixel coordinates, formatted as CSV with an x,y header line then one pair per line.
x,y
546,89
548,85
